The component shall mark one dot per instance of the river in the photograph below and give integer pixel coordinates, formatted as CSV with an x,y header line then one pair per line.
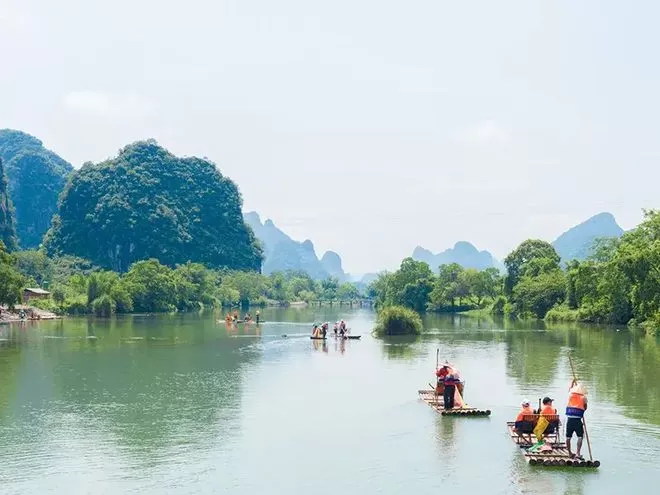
x,y
181,404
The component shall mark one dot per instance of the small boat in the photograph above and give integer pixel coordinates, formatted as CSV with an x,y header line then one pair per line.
x,y
318,338
347,337
436,402
554,451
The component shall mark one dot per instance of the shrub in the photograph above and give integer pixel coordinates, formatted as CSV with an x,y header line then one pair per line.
x,y
104,306
561,312
652,325
499,305
397,320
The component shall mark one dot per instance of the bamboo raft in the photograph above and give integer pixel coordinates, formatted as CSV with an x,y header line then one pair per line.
x,y
558,456
436,402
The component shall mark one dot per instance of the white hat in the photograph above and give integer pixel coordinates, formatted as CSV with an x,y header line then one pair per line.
x,y
525,402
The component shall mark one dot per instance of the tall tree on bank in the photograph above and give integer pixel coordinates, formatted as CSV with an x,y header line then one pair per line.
x,y
147,203
36,178
7,229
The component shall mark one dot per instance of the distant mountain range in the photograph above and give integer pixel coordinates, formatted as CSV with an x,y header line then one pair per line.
x,y
283,253
576,242
463,253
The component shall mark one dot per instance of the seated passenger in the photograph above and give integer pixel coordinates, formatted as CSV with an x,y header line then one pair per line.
x,y
523,424
550,413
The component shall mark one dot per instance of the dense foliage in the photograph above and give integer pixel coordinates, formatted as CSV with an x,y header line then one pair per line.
x,y
618,283
36,178
11,280
147,203
454,288
397,320
7,229
78,287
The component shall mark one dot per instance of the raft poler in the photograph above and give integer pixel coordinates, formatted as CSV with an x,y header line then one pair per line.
x,y
450,386
577,405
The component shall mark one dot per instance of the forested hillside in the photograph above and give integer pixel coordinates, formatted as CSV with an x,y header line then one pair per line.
x,y
36,177
147,203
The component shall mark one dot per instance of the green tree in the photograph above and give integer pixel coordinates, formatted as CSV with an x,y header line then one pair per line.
x,y
152,286
347,292
11,281
408,285
450,285
518,260
35,265
329,288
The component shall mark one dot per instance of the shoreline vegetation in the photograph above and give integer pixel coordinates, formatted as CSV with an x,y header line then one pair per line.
x,y
618,284
79,288
147,231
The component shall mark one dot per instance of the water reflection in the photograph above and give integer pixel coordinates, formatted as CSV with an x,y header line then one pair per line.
x,y
403,347
150,383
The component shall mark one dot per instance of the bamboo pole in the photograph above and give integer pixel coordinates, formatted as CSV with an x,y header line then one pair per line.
x,y
584,423
437,361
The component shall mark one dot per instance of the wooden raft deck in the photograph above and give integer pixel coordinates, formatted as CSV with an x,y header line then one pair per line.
x,y
557,457
436,403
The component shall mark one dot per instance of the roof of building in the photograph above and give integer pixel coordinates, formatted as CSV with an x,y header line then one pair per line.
x,y
36,290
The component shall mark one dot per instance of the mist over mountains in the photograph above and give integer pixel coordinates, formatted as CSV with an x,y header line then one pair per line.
x,y
282,253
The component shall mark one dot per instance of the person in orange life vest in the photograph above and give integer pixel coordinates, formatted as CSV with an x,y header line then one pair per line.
x,y
577,405
526,410
550,414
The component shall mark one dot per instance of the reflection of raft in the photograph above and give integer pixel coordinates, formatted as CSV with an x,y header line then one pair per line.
x,y
436,402
558,456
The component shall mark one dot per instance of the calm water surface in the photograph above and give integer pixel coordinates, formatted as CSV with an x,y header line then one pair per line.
x,y
182,404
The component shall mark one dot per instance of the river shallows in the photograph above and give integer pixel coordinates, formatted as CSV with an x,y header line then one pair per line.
x,y
181,404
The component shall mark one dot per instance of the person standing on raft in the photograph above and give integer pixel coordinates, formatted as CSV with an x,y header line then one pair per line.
x,y
448,381
577,405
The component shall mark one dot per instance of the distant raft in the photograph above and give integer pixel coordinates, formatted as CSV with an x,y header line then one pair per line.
x,y
557,456
436,402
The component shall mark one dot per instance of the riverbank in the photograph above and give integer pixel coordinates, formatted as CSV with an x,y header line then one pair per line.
x,y
31,313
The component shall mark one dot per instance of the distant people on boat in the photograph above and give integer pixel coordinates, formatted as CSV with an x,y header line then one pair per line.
x,y
335,328
257,316
525,421
324,330
342,328
317,332
247,317
577,405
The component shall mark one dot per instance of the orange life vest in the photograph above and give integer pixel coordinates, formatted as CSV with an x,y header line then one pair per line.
x,y
548,411
576,405
525,411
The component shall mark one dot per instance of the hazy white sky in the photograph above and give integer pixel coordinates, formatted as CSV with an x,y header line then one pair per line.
x,y
367,126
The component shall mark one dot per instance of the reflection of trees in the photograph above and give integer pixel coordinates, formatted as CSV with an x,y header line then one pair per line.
x,y
622,366
532,357
151,382
403,346
10,357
